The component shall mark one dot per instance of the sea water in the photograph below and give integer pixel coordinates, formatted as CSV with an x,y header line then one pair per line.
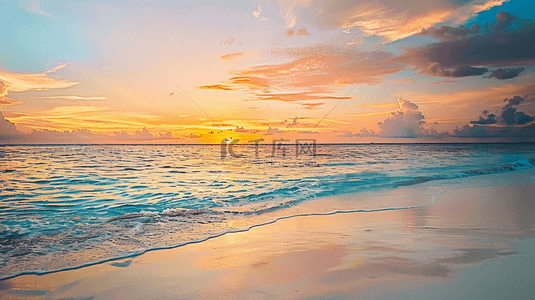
x,y
66,206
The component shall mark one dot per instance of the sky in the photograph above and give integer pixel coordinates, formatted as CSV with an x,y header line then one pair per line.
x,y
347,71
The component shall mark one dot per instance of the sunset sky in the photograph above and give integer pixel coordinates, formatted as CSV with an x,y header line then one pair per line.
x,y
201,71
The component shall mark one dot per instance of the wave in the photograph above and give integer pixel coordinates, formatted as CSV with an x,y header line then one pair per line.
x,y
239,230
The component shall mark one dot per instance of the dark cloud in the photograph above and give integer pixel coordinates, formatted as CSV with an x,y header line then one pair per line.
x,y
490,119
7,129
500,44
503,20
502,74
510,119
508,116
513,101
471,131
464,71
478,131
449,33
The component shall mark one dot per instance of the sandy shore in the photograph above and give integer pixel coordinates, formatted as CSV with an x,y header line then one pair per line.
x,y
474,242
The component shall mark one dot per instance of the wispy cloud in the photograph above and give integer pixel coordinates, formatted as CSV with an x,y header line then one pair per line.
x,y
34,7
74,98
215,87
56,68
22,82
257,13
231,56
314,74
379,105
228,42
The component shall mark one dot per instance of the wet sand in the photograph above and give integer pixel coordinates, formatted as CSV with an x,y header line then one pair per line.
x,y
475,241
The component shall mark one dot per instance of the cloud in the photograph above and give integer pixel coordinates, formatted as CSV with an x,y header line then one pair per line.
x,y
486,119
56,68
365,133
328,66
501,44
193,136
274,131
444,81
215,87
307,132
347,133
240,129
231,56
390,19
7,101
144,134
314,73
478,131
7,129
296,97
400,81
449,33
503,74
9,133
509,124
73,98
257,12
228,42
3,93
362,133
406,122
34,7
316,76
312,105
509,115
379,105
302,32
250,82
353,43
18,82
22,82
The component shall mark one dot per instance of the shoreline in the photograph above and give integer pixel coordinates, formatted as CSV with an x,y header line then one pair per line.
x,y
316,207
337,220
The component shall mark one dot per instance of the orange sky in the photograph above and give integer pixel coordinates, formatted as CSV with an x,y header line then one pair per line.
x,y
199,72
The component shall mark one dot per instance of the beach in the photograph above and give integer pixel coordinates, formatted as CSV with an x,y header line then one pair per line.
x,y
287,149
469,238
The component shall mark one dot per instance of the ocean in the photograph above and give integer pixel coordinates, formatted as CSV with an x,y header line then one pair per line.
x,y
67,206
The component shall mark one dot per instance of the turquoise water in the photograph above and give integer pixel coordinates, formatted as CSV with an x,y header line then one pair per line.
x,y
67,206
